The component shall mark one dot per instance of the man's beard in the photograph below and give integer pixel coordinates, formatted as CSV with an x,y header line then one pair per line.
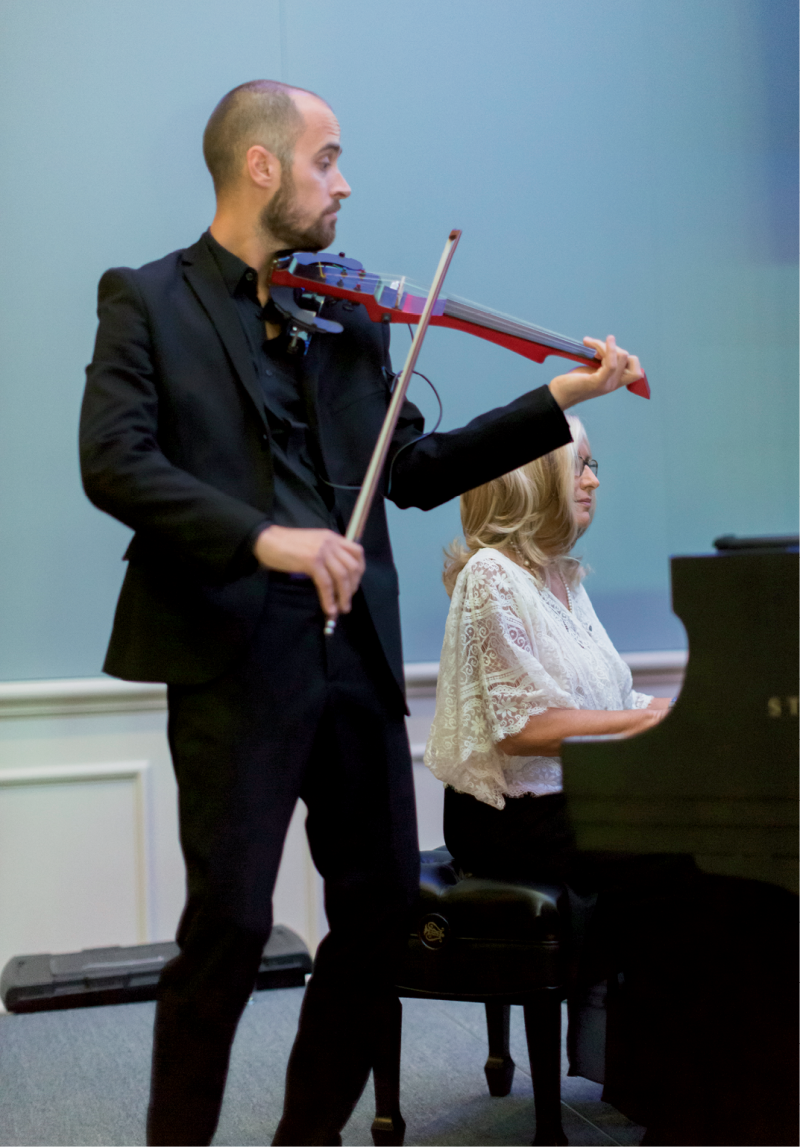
x,y
281,219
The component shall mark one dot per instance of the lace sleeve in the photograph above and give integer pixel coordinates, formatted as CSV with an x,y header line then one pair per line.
x,y
500,660
492,675
639,700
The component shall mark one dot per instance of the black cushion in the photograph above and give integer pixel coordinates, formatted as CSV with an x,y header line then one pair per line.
x,y
472,937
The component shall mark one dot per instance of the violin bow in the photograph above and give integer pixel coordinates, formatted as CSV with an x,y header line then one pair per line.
x,y
369,487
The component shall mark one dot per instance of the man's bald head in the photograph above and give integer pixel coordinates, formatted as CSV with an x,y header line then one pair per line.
x,y
260,112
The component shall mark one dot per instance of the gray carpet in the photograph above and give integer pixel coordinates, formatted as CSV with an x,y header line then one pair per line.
x,y
81,1077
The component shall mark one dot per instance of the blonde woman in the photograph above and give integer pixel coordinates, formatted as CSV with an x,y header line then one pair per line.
x,y
525,663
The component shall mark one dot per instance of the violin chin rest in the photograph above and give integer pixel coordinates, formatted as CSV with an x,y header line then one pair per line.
x,y
283,298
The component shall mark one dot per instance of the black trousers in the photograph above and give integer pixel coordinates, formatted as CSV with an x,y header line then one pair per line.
x,y
701,1043
529,839
299,716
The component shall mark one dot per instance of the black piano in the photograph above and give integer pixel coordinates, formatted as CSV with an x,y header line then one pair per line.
x,y
718,777
701,1042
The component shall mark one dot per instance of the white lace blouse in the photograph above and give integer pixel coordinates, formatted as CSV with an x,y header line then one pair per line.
x,y
512,650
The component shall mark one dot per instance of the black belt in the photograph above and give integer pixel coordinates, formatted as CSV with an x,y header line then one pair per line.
x,y
289,578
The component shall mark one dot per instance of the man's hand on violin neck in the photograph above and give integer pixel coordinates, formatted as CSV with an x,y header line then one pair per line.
x,y
334,564
615,368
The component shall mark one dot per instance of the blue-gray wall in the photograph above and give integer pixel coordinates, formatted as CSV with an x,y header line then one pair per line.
x,y
616,165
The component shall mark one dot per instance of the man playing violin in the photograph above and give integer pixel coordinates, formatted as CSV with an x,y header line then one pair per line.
x,y
234,461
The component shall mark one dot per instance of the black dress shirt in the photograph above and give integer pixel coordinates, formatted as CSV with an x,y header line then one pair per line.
x,y
302,497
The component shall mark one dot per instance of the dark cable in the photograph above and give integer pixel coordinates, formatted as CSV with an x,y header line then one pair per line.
x,y
413,442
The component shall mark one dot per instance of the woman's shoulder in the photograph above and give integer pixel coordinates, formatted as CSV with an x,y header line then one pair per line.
x,y
490,573
489,563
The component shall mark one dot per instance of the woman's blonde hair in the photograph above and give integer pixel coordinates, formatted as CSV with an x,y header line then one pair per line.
x,y
529,511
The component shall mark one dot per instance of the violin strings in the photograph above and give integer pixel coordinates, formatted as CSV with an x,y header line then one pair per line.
x,y
458,307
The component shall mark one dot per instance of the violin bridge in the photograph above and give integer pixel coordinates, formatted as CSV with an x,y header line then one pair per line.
x,y
395,285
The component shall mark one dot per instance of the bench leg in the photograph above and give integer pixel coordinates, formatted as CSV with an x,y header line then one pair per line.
x,y
388,1126
499,1067
543,1033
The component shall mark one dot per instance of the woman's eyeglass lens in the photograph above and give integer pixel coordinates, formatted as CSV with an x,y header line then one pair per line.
x,y
581,462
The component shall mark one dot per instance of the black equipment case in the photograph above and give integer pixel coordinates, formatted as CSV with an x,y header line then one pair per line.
x,y
126,975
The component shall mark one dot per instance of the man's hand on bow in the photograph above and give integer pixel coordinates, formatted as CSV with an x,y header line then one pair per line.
x,y
334,564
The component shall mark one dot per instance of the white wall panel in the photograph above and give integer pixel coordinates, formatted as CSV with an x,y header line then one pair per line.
x,y
89,852
75,866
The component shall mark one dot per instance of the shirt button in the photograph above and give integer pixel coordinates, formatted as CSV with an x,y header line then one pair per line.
x,y
249,276
267,371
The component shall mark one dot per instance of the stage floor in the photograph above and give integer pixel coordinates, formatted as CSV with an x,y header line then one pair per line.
x,y
80,1078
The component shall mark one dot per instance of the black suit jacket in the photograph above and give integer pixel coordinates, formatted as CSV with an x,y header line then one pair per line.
x,y
175,444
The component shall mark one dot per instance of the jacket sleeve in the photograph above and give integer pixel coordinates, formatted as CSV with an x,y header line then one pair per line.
x,y
433,469
125,472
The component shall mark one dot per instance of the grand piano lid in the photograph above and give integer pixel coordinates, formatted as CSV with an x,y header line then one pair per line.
x,y
777,544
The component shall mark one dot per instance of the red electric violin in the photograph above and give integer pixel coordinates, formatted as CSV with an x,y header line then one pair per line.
x,y
303,281
393,299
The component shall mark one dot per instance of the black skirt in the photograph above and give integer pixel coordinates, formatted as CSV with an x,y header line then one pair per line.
x,y
528,840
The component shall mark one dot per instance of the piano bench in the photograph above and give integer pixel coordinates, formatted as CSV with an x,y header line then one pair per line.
x,y
492,942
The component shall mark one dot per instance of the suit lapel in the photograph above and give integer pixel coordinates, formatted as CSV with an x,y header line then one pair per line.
x,y
309,385
202,275
309,375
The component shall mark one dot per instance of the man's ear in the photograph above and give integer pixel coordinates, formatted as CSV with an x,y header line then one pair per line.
x,y
263,167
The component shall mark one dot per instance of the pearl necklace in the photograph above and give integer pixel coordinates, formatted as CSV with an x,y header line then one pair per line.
x,y
566,590
527,565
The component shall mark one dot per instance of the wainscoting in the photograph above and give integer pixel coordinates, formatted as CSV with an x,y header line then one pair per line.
x,y
89,850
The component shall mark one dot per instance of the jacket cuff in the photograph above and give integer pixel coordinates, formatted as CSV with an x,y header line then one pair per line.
x,y
245,561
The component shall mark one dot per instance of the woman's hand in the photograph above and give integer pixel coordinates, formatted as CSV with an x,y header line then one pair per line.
x,y
543,734
616,368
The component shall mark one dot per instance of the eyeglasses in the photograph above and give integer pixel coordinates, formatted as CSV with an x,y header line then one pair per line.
x,y
580,463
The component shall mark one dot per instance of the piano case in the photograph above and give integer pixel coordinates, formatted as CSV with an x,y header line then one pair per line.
x,y
126,975
717,779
